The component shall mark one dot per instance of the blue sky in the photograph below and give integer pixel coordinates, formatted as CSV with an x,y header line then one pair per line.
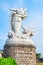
x,y
33,21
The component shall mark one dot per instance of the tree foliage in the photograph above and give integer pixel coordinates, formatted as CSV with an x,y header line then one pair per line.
x,y
38,55
8,61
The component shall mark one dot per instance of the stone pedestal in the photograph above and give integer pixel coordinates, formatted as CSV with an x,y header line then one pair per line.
x,y
24,54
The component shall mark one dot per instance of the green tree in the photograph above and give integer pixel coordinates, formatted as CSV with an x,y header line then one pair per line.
x,y
8,61
38,55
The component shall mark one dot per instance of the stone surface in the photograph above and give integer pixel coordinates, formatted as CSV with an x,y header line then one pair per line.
x,y
24,55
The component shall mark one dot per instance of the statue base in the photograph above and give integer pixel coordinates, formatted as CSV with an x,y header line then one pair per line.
x,y
24,54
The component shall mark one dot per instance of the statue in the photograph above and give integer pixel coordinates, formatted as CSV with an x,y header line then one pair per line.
x,y
16,19
19,45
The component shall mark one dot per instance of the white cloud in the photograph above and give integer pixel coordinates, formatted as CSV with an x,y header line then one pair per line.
x,y
18,3
3,37
4,6
37,0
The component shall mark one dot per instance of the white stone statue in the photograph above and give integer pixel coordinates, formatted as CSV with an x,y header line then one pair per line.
x,y
16,19
28,31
